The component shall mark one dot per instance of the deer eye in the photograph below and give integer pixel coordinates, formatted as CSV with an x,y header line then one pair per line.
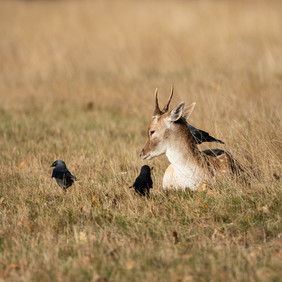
x,y
152,132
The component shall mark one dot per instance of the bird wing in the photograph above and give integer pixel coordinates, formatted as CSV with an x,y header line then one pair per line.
x,y
141,191
63,180
202,136
69,175
59,181
143,182
62,174
150,183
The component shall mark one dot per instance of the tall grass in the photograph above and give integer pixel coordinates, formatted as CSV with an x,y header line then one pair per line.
x,y
76,83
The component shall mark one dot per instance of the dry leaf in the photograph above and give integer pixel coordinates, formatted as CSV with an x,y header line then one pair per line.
x,y
95,201
204,187
13,266
20,165
178,278
265,209
175,237
129,265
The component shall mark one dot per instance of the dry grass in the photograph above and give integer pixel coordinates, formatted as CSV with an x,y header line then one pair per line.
x,y
76,83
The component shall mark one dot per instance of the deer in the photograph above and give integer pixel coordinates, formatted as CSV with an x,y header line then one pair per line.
x,y
168,133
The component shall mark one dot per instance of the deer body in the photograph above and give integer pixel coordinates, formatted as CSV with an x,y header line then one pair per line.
x,y
168,134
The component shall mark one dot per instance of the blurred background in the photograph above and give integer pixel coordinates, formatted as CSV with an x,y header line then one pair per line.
x,y
109,56
226,52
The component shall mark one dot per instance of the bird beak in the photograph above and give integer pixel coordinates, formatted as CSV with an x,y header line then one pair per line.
x,y
152,168
52,165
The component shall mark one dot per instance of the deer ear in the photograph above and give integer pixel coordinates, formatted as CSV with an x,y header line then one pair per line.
x,y
176,113
188,110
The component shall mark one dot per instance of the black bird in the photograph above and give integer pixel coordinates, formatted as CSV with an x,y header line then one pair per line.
x,y
62,175
143,183
202,136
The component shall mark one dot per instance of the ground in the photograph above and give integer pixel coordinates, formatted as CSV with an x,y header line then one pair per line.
x,y
77,82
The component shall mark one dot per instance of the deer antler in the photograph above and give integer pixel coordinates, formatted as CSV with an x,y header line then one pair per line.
x,y
165,108
157,110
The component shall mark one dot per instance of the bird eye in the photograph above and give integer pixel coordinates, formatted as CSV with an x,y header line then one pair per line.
x,y
152,132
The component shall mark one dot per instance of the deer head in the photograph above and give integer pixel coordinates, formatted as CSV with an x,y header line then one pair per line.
x,y
163,126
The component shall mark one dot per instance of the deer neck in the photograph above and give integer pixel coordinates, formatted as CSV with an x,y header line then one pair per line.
x,y
184,156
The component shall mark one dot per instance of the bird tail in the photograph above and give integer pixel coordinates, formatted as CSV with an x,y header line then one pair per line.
x,y
218,141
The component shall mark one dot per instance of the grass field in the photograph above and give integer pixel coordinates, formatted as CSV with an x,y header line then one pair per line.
x,y
77,81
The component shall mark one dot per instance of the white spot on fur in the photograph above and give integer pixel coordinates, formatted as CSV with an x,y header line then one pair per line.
x,y
182,173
